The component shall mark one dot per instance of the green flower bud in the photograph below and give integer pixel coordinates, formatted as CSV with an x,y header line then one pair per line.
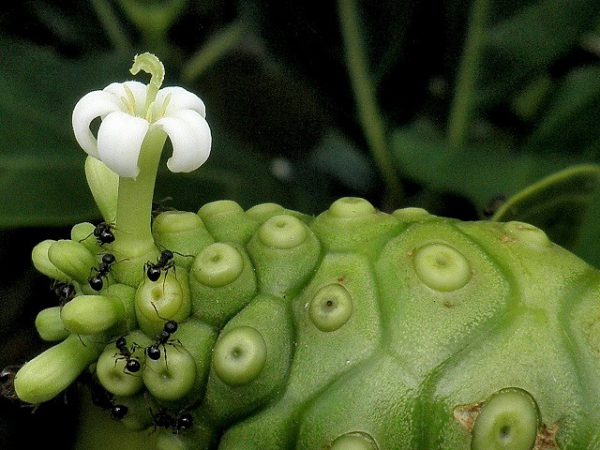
x,y
52,371
41,261
183,233
104,184
90,314
49,324
84,232
73,259
168,298
227,221
172,376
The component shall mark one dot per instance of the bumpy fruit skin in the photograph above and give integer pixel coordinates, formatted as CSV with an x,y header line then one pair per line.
x,y
363,330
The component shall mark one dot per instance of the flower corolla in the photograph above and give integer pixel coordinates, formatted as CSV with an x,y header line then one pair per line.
x,y
130,112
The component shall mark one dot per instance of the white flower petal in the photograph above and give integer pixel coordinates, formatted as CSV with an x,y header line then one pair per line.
x,y
92,105
138,90
120,139
190,135
179,99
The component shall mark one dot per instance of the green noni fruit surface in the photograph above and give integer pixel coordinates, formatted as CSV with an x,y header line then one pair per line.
x,y
267,329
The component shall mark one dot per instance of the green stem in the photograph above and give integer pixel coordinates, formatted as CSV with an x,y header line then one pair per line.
x,y
134,243
462,104
220,44
111,25
364,92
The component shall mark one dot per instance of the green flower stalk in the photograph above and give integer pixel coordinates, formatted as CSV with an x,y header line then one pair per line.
x,y
136,121
269,329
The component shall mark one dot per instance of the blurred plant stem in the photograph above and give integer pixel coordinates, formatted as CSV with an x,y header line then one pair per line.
x,y
466,78
112,26
364,93
153,20
217,46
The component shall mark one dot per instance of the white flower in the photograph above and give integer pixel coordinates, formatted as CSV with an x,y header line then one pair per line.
x,y
127,119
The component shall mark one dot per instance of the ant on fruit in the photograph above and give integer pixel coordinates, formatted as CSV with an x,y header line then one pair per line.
x,y
177,424
65,292
132,364
163,339
102,271
165,262
103,234
105,400
160,206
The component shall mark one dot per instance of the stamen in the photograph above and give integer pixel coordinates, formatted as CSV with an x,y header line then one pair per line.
x,y
163,109
129,100
149,63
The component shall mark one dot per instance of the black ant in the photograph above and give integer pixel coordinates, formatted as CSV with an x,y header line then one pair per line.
x,y
65,292
160,207
103,234
132,364
165,262
163,338
7,378
494,205
162,419
105,400
102,271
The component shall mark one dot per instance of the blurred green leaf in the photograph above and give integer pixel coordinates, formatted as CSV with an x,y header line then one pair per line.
x,y
531,40
41,167
557,204
342,160
571,119
588,240
479,173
